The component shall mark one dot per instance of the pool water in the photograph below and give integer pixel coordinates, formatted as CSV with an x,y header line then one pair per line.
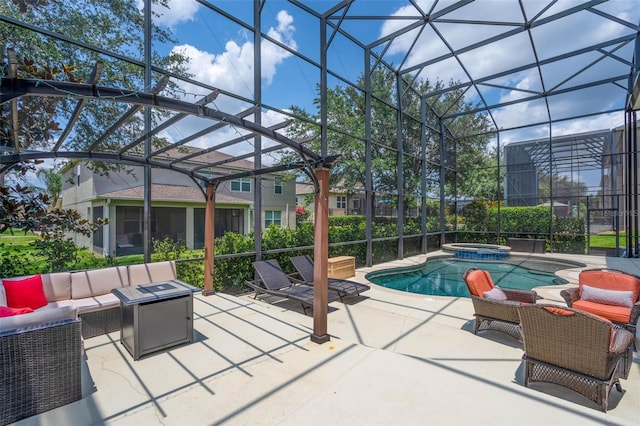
x,y
443,276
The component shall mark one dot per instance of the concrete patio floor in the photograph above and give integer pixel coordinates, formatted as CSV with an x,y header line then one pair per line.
x,y
393,359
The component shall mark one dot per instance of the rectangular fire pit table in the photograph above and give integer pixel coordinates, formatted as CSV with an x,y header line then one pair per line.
x,y
156,316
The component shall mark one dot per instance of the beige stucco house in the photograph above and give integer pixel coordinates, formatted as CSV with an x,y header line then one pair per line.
x,y
177,206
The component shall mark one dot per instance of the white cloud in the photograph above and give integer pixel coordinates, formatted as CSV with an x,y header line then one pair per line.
x,y
190,125
233,70
576,31
176,12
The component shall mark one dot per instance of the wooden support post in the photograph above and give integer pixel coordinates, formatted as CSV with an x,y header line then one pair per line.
x,y
209,214
320,258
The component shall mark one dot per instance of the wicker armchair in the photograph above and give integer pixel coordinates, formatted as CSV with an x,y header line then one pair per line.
x,y
500,315
607,279
576,350
40,369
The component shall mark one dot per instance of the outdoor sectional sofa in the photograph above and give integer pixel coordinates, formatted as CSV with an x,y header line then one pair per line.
x,y
88,292
40,351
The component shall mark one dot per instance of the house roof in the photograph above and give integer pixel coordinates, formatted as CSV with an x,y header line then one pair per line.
x,y
209,157
304,188
170,193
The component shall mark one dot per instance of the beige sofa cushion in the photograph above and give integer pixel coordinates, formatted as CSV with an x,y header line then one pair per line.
x,y
37,318
96,282
146,273
57,286
97,303
58,304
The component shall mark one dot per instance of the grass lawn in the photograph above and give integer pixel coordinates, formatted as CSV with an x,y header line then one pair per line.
x,y
18,238
19,242
607,240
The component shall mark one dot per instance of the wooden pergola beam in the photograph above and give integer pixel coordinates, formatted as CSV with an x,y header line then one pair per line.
x,y
320,258
209,215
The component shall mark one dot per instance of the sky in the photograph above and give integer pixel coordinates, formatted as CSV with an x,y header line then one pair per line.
x,y
221,55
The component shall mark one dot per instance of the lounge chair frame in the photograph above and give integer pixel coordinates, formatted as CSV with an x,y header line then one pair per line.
x,y
274,281
344,288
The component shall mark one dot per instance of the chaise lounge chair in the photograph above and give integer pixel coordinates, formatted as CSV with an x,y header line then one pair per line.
x,y
344,288
273,281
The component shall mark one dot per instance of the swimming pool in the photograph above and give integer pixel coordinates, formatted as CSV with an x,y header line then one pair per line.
x,y
443,276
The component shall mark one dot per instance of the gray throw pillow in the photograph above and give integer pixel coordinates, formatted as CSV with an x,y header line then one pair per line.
x,y
607,297
495,293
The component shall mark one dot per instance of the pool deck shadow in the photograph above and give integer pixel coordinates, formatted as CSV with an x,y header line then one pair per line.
x,y
394,358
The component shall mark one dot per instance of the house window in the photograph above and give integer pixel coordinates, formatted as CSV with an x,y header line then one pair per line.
x,y
341,202
98,236
277,186
241,185
272,217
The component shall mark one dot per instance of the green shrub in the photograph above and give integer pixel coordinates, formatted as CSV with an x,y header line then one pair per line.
x,y
231,273
15,263
481,224
569,235
191,272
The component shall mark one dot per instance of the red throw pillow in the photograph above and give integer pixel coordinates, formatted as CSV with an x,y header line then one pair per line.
x,y
6,311
25,293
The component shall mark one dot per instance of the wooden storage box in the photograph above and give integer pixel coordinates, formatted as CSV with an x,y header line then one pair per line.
x,y
342,267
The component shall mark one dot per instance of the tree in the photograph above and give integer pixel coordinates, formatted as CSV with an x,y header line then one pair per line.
x,y
483,180
114,26
346,121
564,188
53,184
25,209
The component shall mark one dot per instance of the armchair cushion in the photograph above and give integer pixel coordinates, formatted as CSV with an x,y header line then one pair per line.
x,y
559,311
610,280
495,293
608,297
25,292
478,281
619,314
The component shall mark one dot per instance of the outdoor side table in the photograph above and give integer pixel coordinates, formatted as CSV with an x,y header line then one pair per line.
x,y
156,316
341,267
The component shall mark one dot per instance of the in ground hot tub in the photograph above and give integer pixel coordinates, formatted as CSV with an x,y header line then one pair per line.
x,y
477,251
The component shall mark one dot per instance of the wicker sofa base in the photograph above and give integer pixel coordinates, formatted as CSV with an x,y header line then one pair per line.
x,y
100,322
594,389
39,370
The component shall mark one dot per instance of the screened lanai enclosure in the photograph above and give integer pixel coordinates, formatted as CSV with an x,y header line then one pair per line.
x,y
414,123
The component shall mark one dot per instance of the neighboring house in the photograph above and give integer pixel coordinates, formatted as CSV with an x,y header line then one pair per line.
x,y
177,206
341,202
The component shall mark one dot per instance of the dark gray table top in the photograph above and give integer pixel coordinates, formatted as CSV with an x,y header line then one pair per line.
x,y
152,292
